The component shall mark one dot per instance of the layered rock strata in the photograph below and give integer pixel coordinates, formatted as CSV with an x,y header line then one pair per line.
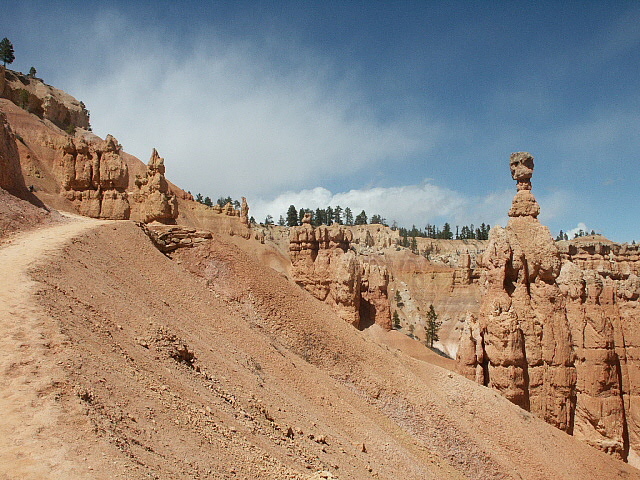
x,y
94,177
324,265
168,238
43,100
556,330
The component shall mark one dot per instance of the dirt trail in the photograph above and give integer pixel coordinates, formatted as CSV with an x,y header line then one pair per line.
x,y
28,375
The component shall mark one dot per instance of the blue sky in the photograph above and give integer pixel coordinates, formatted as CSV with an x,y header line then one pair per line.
x,y
406,109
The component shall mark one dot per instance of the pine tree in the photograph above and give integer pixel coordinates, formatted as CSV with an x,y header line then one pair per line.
x,y
6,51
199,198
208,202
320,218
281,221
268,220
301,215
361,218
222,201
377,219
433,325
32,72
337,214
328,216
398,299
396,320
414,245
292,216
446,232
348,216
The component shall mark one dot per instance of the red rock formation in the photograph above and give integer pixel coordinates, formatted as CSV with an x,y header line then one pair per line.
x,y
43,100
523,332
94,177
153,200
557,329
168,238
600,280
10,174
324,265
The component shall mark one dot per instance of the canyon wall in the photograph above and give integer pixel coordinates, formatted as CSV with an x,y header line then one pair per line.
x,y
94,177
323,263
556,329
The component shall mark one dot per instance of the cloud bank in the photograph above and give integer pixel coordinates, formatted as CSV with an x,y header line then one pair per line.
x,y
406,205
232,118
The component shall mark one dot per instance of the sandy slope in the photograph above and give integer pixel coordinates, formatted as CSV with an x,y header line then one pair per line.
x,y
121,363
29,445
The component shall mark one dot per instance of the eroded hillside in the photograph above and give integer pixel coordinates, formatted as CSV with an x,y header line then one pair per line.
x,y
214,366
230,357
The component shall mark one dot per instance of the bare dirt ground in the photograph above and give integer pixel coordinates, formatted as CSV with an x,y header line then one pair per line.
x,y
19,215
118,362
29,444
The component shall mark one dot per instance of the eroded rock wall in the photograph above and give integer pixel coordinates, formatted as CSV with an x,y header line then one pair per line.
x,y
94,177
10,174
325,266
600,281
43,100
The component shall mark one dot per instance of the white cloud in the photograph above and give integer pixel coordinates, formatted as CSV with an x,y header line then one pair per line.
x,y
408,205
233,118
581,226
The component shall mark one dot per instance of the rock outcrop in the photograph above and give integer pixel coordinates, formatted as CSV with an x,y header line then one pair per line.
x,y
168,238
94,177
556,331
324,265
10,174
43,100
152,199
600,281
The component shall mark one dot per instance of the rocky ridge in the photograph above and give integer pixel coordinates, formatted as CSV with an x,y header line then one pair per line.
x,y
554,332
43,100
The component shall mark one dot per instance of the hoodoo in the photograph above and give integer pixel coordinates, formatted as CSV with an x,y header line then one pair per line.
x,y
552,334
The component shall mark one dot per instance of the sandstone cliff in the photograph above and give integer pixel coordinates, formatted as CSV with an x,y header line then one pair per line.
x,y
322,263
95,177
555,333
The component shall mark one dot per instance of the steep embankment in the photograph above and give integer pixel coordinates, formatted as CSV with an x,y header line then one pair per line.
x,y
40,436
237,373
